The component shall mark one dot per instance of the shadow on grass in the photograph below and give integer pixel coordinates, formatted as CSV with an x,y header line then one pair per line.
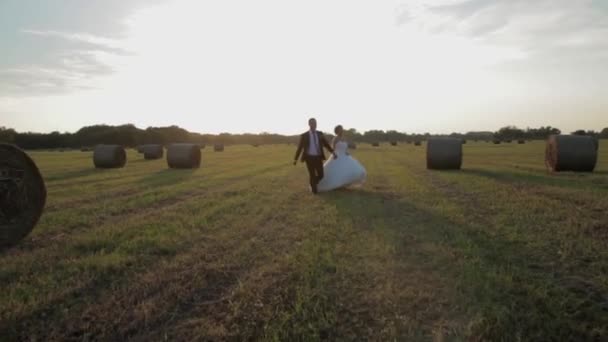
x,y
508,288
565,180
167,177
71,174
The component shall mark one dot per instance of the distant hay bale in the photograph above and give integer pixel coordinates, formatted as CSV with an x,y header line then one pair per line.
x,y
521,142
571,153
375,144
352,145
255,145
152,151
218,147
393,143
22,195
496,142
109,156
417,143
444,154
508,141
184,156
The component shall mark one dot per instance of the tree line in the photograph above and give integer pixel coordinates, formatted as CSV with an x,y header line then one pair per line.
x,y
131,136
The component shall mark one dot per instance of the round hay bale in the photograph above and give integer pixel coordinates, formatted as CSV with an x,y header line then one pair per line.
x,y
393,143
496,142
22,195
184,156
444,154
375,144
218,147
571,153
417,143
521,142
152,152
508,141
109,156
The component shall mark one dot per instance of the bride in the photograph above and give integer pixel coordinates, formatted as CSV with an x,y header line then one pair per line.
x,y
344,170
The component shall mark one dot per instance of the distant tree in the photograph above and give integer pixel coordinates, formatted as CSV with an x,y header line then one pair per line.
x,y
7,135
604,133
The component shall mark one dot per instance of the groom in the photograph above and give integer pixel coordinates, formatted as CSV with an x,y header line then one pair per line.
x,y
312,143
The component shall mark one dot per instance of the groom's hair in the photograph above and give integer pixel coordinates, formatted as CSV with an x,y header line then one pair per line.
x,y
311,120
337,129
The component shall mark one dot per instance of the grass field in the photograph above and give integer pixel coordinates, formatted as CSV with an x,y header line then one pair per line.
x,y
239,249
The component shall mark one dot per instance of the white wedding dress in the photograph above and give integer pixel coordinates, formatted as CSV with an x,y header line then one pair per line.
x,y
341,172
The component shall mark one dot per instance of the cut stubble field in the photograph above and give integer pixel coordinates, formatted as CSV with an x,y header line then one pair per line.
x,y
239,249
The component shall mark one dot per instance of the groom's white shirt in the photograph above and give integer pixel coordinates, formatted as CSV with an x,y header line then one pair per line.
x,y
313,146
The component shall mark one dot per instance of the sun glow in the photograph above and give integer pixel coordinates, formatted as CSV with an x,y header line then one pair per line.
x,y
243,66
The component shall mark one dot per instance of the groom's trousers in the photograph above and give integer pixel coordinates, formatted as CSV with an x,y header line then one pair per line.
x,y
315,171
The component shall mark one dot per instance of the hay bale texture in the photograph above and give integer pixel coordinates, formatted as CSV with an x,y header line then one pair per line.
x,y
184,156
444,154
153,151
22,195
109,156
218,147
571,153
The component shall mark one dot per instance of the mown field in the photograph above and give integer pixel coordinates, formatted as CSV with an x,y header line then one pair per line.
x,y
239,249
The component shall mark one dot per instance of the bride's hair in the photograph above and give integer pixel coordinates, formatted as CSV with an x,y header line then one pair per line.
x,y
338,129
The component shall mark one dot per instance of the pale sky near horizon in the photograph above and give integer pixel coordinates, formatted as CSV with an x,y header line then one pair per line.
x,y
238,66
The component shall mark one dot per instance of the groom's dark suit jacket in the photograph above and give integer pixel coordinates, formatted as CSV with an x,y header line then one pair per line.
x,y
305,143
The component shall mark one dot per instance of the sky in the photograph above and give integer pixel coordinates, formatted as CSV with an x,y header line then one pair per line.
x,y
238,66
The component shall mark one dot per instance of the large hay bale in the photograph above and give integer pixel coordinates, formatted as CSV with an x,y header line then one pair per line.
x,y
417,143
393,143
109,156
444,154
375,144
521,142
496,142
22,195
153,151
218,147
571,153
184,156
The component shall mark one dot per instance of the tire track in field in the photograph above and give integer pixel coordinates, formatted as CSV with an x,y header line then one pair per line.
x,y
113,216
169,278
120,180
532,256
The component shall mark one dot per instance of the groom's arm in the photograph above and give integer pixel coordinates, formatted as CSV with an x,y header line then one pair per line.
x,y
299,150
326,144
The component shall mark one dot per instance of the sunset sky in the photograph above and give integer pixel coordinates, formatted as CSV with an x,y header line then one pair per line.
x,y
250,66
